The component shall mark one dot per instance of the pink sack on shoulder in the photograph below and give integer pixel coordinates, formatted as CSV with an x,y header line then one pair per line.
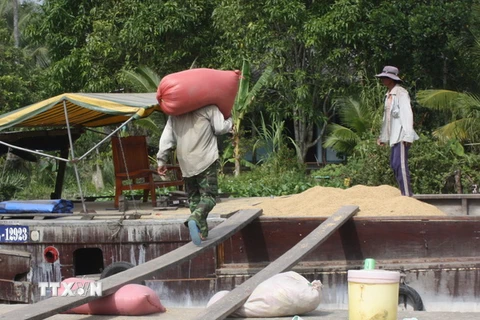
x,y
192,89
129,300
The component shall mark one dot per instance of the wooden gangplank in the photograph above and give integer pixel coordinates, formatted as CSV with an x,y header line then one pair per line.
x,y
217,235
235,298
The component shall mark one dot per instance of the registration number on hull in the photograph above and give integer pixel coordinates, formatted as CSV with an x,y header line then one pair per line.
x,y
13,233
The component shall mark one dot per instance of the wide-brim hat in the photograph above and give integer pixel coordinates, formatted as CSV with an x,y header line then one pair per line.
x,y
389,72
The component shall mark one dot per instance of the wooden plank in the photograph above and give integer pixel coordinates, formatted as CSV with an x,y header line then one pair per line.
x,y
217,235
33,215
447,196
235,298
165,208
83,216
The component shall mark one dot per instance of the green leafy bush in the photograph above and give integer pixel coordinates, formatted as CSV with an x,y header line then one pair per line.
x,y
257,183
432,165
279,175
10,184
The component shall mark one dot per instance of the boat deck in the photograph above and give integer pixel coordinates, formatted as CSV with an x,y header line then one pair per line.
x,y
451,205
418,235
190,313
99,210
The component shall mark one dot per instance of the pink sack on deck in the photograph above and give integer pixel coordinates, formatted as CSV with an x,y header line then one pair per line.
x,y
129,300
192,89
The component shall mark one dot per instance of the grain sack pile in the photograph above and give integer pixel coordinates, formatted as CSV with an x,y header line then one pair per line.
x,y
324,201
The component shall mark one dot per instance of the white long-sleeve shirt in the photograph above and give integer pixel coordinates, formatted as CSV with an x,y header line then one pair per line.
x,y
194,134
397,123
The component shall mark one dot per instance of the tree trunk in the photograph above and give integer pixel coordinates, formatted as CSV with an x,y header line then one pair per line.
x,y
303,135
236,153
458,182
97,177
445,71
16,31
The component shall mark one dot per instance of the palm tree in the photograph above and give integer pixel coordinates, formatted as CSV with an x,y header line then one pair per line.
x,y
464,109
18,18
356,119
359,118
144,79
11,9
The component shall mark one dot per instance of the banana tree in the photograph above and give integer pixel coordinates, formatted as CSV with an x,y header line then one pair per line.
x,y
243,104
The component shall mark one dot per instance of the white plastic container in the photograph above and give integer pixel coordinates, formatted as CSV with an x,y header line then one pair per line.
x,y
373,294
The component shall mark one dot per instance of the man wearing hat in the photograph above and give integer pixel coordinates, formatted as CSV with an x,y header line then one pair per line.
x,y
397,127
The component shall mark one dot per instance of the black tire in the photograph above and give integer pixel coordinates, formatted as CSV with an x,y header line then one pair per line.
x,y
115,268
410,296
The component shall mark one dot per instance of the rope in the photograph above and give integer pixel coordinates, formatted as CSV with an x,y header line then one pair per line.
x,y
117,227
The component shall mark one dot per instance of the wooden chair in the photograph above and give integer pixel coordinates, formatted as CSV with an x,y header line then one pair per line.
x,y
133,172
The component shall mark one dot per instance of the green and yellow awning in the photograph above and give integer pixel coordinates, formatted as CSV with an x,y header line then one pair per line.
x,y
82,110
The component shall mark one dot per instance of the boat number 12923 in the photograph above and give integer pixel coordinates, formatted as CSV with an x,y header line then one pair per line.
x,y
13,233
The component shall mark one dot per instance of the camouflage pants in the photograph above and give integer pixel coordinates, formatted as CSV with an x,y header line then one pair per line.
x,y
202,190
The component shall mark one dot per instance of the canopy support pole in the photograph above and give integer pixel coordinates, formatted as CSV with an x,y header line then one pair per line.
x,y
64,156
33,151
108,136
60,176
73,156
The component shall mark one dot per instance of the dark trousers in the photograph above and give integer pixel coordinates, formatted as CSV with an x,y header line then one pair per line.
x,y
399,165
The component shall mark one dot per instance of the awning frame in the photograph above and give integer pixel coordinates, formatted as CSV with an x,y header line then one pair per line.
x,y
74,160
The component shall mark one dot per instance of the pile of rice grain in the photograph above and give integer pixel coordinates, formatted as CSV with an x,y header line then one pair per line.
x,y
324,201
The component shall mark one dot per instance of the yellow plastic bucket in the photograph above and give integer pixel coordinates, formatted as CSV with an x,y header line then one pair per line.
x,y
373,294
